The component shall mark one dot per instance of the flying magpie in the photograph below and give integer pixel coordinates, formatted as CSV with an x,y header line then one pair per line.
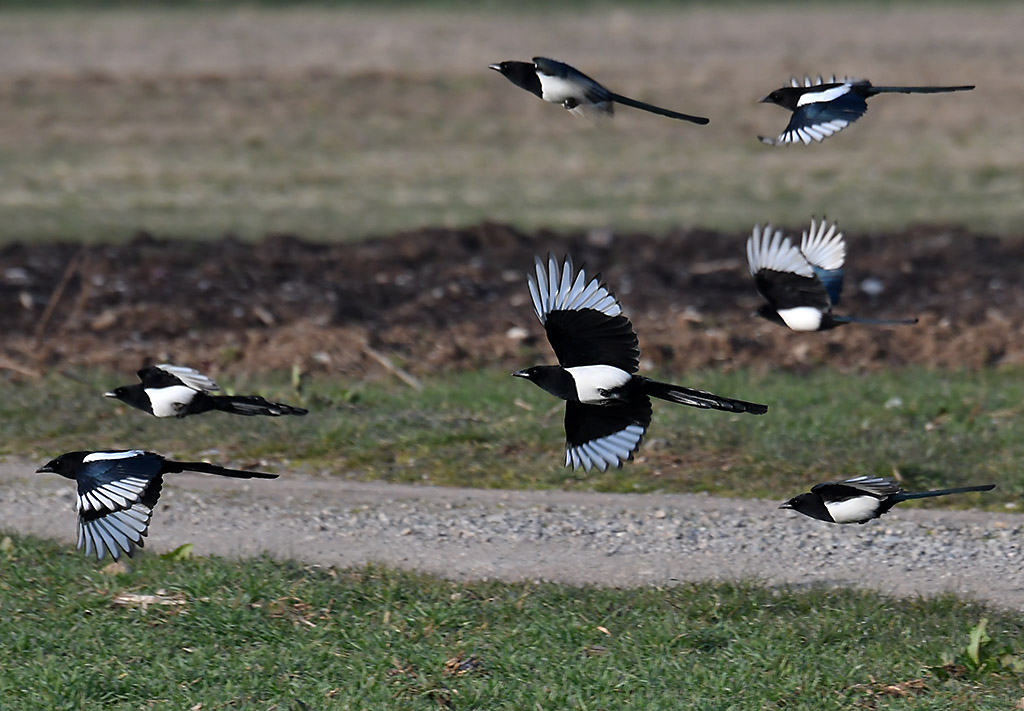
x,y
802,285
860,499
117,492
823,107
176,391
608,405
558,83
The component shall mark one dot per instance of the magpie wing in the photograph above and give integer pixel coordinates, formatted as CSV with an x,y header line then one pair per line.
x,y
825,108
582,318
166,375
116,495
602,436
782,273
824,249
879,487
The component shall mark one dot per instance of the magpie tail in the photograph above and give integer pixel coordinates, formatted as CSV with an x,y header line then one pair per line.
x,y
251,405
875,321
700,398
207,468
626,101
943,492
919,89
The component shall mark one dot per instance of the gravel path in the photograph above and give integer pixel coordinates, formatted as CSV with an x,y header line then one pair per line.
x,y
584,538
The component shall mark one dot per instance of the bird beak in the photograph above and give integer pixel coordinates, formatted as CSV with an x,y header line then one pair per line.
x,y
110,394
44,468
786,505
764,100
495,67
520,374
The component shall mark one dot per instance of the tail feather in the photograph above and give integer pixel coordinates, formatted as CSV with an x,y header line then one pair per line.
x,y
943,492
207,468
251,405
626,101
700,398
875,321
919,89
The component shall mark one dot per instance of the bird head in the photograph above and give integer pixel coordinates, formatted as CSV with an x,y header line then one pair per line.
x,y
117,393
785,97
66,464
528,373
522,74
800,503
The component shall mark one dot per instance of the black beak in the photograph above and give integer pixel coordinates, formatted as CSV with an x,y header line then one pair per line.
x,y
787,505
45,468
765,99
495,67
110,394
520,374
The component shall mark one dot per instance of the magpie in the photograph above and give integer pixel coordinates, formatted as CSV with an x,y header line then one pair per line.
x,y
608,407
860,499
558,83
822,107
176,391
802,285
117,492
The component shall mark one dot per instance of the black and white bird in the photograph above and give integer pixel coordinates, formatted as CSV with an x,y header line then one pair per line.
x,y
826,106
117,492
801,285
608,407
860,499
176,391
558,83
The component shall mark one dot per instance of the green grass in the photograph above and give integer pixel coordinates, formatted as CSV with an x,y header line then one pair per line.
x,y
277,635
486,429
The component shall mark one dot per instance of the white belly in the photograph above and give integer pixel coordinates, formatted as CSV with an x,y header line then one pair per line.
x,y
855,510
802,318
591,380
167,401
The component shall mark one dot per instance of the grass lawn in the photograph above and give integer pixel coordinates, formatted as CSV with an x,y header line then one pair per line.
x,y
212,634
486,429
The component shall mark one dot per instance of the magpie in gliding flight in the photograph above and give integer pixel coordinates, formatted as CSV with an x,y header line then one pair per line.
x,y
823,107
176,391
608,407
558,83
860,499
117,492
801,285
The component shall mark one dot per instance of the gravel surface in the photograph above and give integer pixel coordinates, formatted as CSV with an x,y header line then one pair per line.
x,y
581,538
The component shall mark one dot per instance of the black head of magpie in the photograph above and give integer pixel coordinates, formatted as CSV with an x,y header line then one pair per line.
x,y
559,83
801,285
117,491
860,499
176,391
608,407
826,106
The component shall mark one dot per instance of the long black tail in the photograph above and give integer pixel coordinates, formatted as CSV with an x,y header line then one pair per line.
x,y
207,468
251,405
626,101
918,89
903,496
700,398
875,321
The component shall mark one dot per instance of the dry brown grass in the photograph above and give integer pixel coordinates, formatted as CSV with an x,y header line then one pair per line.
x,y
337,124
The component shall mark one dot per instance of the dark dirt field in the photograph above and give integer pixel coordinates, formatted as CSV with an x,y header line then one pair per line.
x,y
457,299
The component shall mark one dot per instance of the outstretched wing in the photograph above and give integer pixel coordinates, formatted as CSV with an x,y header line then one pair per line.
x,y
825,249
166,375
602,436
781,273
582,318
878,487
116,495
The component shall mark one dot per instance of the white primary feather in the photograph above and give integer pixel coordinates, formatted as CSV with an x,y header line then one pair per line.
x,y
605,452
112,495
593,380
768,248
556,289
190,377
823,245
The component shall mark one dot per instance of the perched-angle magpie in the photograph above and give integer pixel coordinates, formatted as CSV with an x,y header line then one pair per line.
x,y
608,405
558,83
802,285
860,499
117,492
175,391
823,107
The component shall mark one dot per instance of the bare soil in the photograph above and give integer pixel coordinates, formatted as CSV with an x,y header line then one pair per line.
x,y
441,299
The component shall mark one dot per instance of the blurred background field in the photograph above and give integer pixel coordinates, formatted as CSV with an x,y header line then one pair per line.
x,y
338,123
